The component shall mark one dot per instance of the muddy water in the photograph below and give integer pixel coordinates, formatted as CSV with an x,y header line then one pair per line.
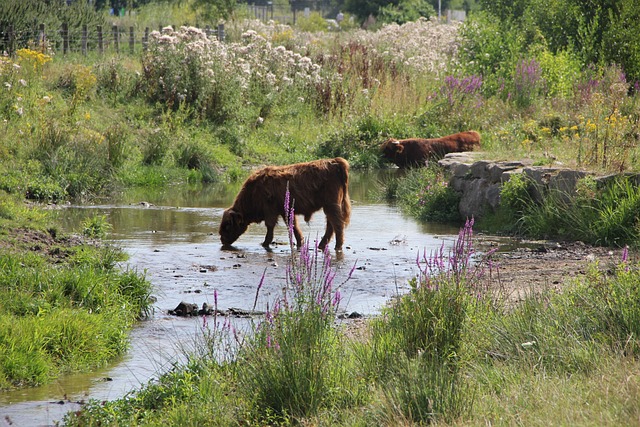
x,y
172,237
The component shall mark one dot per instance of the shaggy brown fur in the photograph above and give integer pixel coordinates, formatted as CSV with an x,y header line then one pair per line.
x,y
417,151
321,184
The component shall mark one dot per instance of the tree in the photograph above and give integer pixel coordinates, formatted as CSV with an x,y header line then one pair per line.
x,y
406,11
212,10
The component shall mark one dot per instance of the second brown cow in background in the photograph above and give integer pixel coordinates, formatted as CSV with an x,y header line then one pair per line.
x,y
417,151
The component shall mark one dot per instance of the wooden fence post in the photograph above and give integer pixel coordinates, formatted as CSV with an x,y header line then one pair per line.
x,y
11,41
221,32
100,40
116,39
65,38
131,40
145,39
84,40
42,39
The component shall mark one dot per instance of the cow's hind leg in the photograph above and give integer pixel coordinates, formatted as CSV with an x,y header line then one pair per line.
x,y
339,230
335,224
327,235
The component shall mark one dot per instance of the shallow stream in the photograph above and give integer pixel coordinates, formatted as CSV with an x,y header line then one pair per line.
x,y
172,237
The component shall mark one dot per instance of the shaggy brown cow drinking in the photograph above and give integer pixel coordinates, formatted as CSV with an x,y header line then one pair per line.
x,y
417,151
321,184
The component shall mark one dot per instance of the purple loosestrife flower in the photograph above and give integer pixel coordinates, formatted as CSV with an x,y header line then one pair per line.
x,y
336,299
255,301
625,258
455,90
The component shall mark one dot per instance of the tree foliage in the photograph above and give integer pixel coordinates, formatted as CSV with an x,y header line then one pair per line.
x,y
402,11
597,31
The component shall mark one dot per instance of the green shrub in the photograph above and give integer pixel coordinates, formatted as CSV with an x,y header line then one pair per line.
x,y
559,72
96,226
426,195
359,142
405,11
313,23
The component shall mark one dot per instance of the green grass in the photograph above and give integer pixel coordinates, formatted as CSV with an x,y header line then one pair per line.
x,y
424,193
64,306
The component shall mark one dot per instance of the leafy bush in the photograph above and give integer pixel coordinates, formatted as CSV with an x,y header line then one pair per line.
x,y
491,50
96,226
359,142
405,11
426,195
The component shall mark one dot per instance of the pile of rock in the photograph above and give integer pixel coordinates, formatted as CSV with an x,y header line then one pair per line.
x,y
480,181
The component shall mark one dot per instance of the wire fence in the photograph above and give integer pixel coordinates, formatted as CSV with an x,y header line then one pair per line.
x,y
85,39
129,39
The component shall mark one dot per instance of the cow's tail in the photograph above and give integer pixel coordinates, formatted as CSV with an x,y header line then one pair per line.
x,y
346,200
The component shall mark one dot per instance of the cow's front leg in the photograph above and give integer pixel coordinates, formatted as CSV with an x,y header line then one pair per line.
x,y
271,224
296,231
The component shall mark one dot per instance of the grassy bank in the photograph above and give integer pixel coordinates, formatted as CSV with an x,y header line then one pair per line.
x,y
453,351
65,306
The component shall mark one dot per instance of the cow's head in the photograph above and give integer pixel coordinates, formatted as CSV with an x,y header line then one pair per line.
x,y
231,227
390,148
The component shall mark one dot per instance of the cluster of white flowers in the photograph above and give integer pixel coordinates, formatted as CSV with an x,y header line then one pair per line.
x,y
254,59
272,57
422,46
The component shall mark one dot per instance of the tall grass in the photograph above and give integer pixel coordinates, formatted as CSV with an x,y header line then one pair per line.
x,y
425,194
296,363
603,213
63,307
415,344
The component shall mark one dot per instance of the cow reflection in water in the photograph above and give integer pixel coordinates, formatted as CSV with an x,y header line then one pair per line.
x,y
321,184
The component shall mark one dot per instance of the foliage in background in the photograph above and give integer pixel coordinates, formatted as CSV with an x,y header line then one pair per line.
x,y
25,17
597,32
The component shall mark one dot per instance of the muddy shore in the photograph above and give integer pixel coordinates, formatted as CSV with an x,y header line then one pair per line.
x,y
536,265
